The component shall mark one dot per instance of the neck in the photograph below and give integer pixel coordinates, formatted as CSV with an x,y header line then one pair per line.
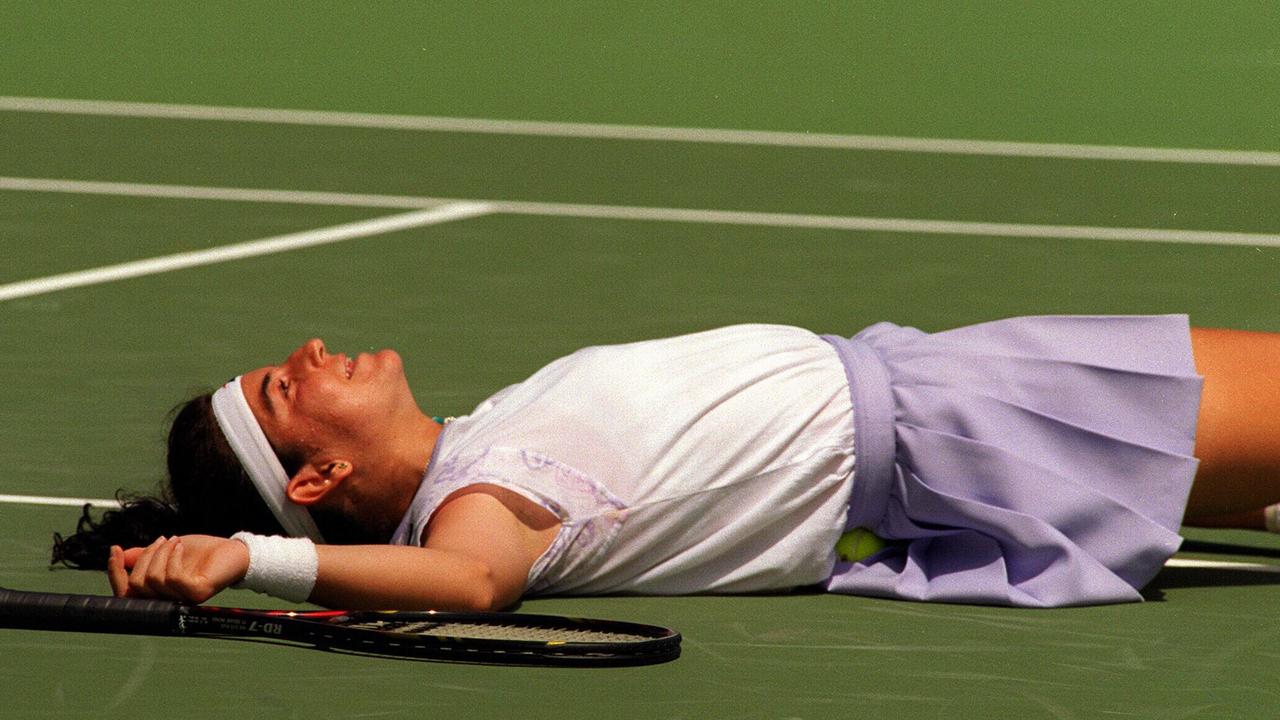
x,y
383,490
413,455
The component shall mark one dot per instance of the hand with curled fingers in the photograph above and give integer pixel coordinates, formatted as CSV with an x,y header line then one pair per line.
x,y
187,568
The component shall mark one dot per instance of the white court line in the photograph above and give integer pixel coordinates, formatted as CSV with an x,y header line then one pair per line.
x,y
58,501
896,225
639,132
201,192
623,212
1222,565
1170,563
252,248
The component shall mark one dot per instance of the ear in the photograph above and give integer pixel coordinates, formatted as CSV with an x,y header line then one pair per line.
x,y
314,481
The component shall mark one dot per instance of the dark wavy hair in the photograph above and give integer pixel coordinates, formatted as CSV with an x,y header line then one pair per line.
x,y
207,492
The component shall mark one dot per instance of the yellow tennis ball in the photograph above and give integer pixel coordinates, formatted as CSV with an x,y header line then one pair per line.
x,y
857,544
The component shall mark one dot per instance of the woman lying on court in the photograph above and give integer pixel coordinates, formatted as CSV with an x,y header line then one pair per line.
x,y
1040,462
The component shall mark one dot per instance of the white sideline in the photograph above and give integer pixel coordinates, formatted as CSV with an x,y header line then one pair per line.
x,y
252,248
1222,565
623,212
889,143
60,501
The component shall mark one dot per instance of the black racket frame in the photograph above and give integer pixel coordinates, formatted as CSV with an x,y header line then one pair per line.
x,y
331,630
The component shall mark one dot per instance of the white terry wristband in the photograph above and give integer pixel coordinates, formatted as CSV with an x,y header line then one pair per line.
x,y
282,567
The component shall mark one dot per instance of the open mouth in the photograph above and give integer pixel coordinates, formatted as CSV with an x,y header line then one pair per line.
x,y
349,366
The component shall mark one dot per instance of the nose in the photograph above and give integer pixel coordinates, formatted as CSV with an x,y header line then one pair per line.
x,y
314,350
310,354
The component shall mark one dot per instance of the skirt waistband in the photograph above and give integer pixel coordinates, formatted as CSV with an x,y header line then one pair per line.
x,y
873,433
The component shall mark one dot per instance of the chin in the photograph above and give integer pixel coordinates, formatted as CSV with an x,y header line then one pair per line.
x,y
389,362
391,365
379,364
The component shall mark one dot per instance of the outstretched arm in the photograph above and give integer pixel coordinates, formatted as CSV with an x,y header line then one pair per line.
x,y
461,567
194,568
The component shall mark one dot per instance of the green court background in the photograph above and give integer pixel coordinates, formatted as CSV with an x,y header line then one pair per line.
x,y
476,304
1181,74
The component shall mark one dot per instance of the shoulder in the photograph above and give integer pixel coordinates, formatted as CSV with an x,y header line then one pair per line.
x,y
480,501
496,527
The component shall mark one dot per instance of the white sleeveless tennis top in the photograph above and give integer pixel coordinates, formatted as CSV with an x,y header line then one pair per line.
x,y
714,462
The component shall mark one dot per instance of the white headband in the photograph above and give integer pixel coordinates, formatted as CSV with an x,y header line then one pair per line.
x,y
250,444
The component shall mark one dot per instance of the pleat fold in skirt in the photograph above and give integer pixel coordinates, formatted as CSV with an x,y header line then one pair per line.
x,y
1035,461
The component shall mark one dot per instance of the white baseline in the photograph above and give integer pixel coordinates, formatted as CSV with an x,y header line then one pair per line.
x,y
887,143
624,212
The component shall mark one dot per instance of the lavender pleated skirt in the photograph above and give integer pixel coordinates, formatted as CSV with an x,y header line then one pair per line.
x,y
1036,461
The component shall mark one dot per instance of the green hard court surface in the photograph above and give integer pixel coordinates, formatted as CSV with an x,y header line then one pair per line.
x,y
474,304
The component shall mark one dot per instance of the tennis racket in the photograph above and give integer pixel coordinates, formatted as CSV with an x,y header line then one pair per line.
x,y
492,638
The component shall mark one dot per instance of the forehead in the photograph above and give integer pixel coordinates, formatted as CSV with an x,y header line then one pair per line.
x,y
252,385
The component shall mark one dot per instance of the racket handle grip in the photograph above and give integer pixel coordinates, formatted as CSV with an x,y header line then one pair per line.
x,y
86,613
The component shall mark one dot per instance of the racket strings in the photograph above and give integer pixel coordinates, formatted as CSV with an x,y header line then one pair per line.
x,y
487,631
